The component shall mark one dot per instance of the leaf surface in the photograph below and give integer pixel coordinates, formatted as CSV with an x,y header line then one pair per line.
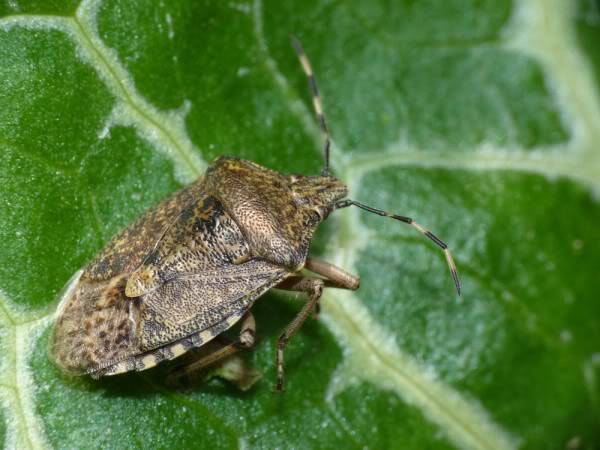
x,y
481,120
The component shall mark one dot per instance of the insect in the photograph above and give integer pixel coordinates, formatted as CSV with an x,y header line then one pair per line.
x,y
193,266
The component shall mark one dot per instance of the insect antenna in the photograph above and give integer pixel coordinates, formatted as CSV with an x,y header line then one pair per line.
x,y
437,241
316,100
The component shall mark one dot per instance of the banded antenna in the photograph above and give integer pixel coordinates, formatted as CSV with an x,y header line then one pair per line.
x,y
437,241
316,100
318,106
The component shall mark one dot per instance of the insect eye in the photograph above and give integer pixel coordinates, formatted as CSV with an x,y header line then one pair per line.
x,y
324,213
313,217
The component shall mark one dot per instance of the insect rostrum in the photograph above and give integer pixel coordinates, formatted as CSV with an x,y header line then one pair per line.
x,y
193,266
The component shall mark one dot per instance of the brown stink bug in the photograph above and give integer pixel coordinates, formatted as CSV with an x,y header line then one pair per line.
x,y
194,265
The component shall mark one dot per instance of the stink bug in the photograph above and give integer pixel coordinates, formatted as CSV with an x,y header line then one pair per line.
x,y
193,266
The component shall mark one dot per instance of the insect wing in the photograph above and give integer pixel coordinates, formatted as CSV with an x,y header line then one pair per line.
x,y
196,283
193,285
204,304
203,237
196,278
127,250
95,322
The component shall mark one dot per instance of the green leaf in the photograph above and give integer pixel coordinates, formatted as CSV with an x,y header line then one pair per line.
x,y
479,119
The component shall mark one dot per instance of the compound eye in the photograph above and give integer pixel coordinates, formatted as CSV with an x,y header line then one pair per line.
x,y
315,218
312,218
318,215
324,213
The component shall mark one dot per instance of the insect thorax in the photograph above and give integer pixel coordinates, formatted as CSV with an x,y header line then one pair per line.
x,y
278,214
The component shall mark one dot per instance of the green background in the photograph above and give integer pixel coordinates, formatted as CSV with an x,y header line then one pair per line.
x,y
480,119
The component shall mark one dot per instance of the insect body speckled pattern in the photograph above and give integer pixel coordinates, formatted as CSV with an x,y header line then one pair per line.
x,y
193,266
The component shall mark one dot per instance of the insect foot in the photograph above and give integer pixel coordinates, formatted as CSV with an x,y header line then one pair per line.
x,y
313,287
233,369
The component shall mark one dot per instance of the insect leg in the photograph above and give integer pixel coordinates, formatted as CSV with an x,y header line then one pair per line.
x,y
246,340
316,99
335,276
313,287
